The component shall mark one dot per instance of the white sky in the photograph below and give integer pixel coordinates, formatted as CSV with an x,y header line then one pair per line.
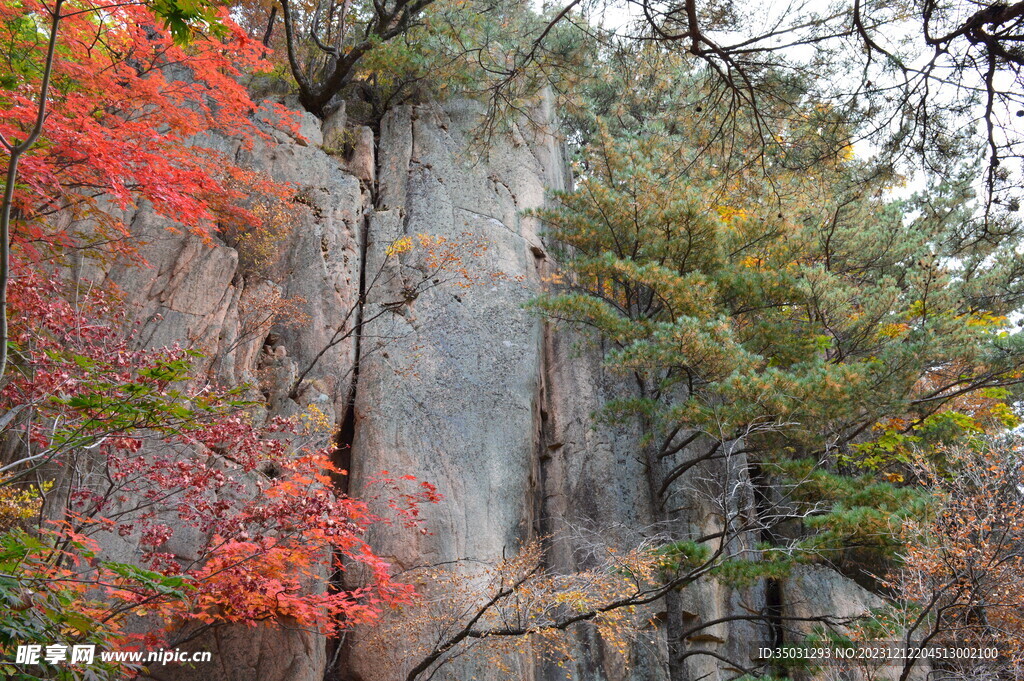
x,y
618,14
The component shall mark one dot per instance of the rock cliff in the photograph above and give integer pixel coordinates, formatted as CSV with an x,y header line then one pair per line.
x,y
459,386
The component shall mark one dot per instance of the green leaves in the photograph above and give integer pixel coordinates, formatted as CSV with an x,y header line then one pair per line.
x,y
683,555
149,402
796,298
174,586
826,332
38,607
773,563
184,18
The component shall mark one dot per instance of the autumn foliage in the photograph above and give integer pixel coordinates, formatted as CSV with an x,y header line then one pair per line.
x,y
493,614
129,111
961,580
806,329
143,454
108,445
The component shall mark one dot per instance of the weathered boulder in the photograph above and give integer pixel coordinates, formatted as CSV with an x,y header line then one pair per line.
x,y
814,590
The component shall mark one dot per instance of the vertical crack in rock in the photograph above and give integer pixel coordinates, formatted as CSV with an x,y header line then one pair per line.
x,y
343,454
542,524
454,400
773,611
773,596
347,422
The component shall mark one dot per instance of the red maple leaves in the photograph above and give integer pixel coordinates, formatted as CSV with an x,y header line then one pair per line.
x,y
244,513
234,517
132,116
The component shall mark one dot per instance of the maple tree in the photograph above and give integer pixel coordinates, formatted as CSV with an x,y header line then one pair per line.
x,y
139,448
108,443
119,122
15,150
801,328
132,455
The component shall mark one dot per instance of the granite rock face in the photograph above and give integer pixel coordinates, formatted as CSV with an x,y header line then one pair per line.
x,y
449,382
196,294
199,294
456,385
464,419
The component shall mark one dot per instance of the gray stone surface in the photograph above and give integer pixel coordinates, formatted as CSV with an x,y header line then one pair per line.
x,y
593,490
296,127
253,653
319,270
193,293
815,590
334,130
364,160
449,383
461,387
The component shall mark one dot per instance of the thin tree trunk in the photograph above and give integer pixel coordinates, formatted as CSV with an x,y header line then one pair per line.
x,y
270,26
16,151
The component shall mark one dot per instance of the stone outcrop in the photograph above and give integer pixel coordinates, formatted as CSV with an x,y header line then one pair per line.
x,y
197,294
462,387
449,382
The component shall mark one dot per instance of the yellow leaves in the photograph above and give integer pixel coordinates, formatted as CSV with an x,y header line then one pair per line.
x,y
399,245
916,309
428,242
728,214
18,504
1003,414
552,280
892,330
514,606
985,320
575,599
257,225
315,421
438,259
978,320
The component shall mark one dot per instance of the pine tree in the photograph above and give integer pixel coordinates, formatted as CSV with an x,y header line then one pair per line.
x,y
808,321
